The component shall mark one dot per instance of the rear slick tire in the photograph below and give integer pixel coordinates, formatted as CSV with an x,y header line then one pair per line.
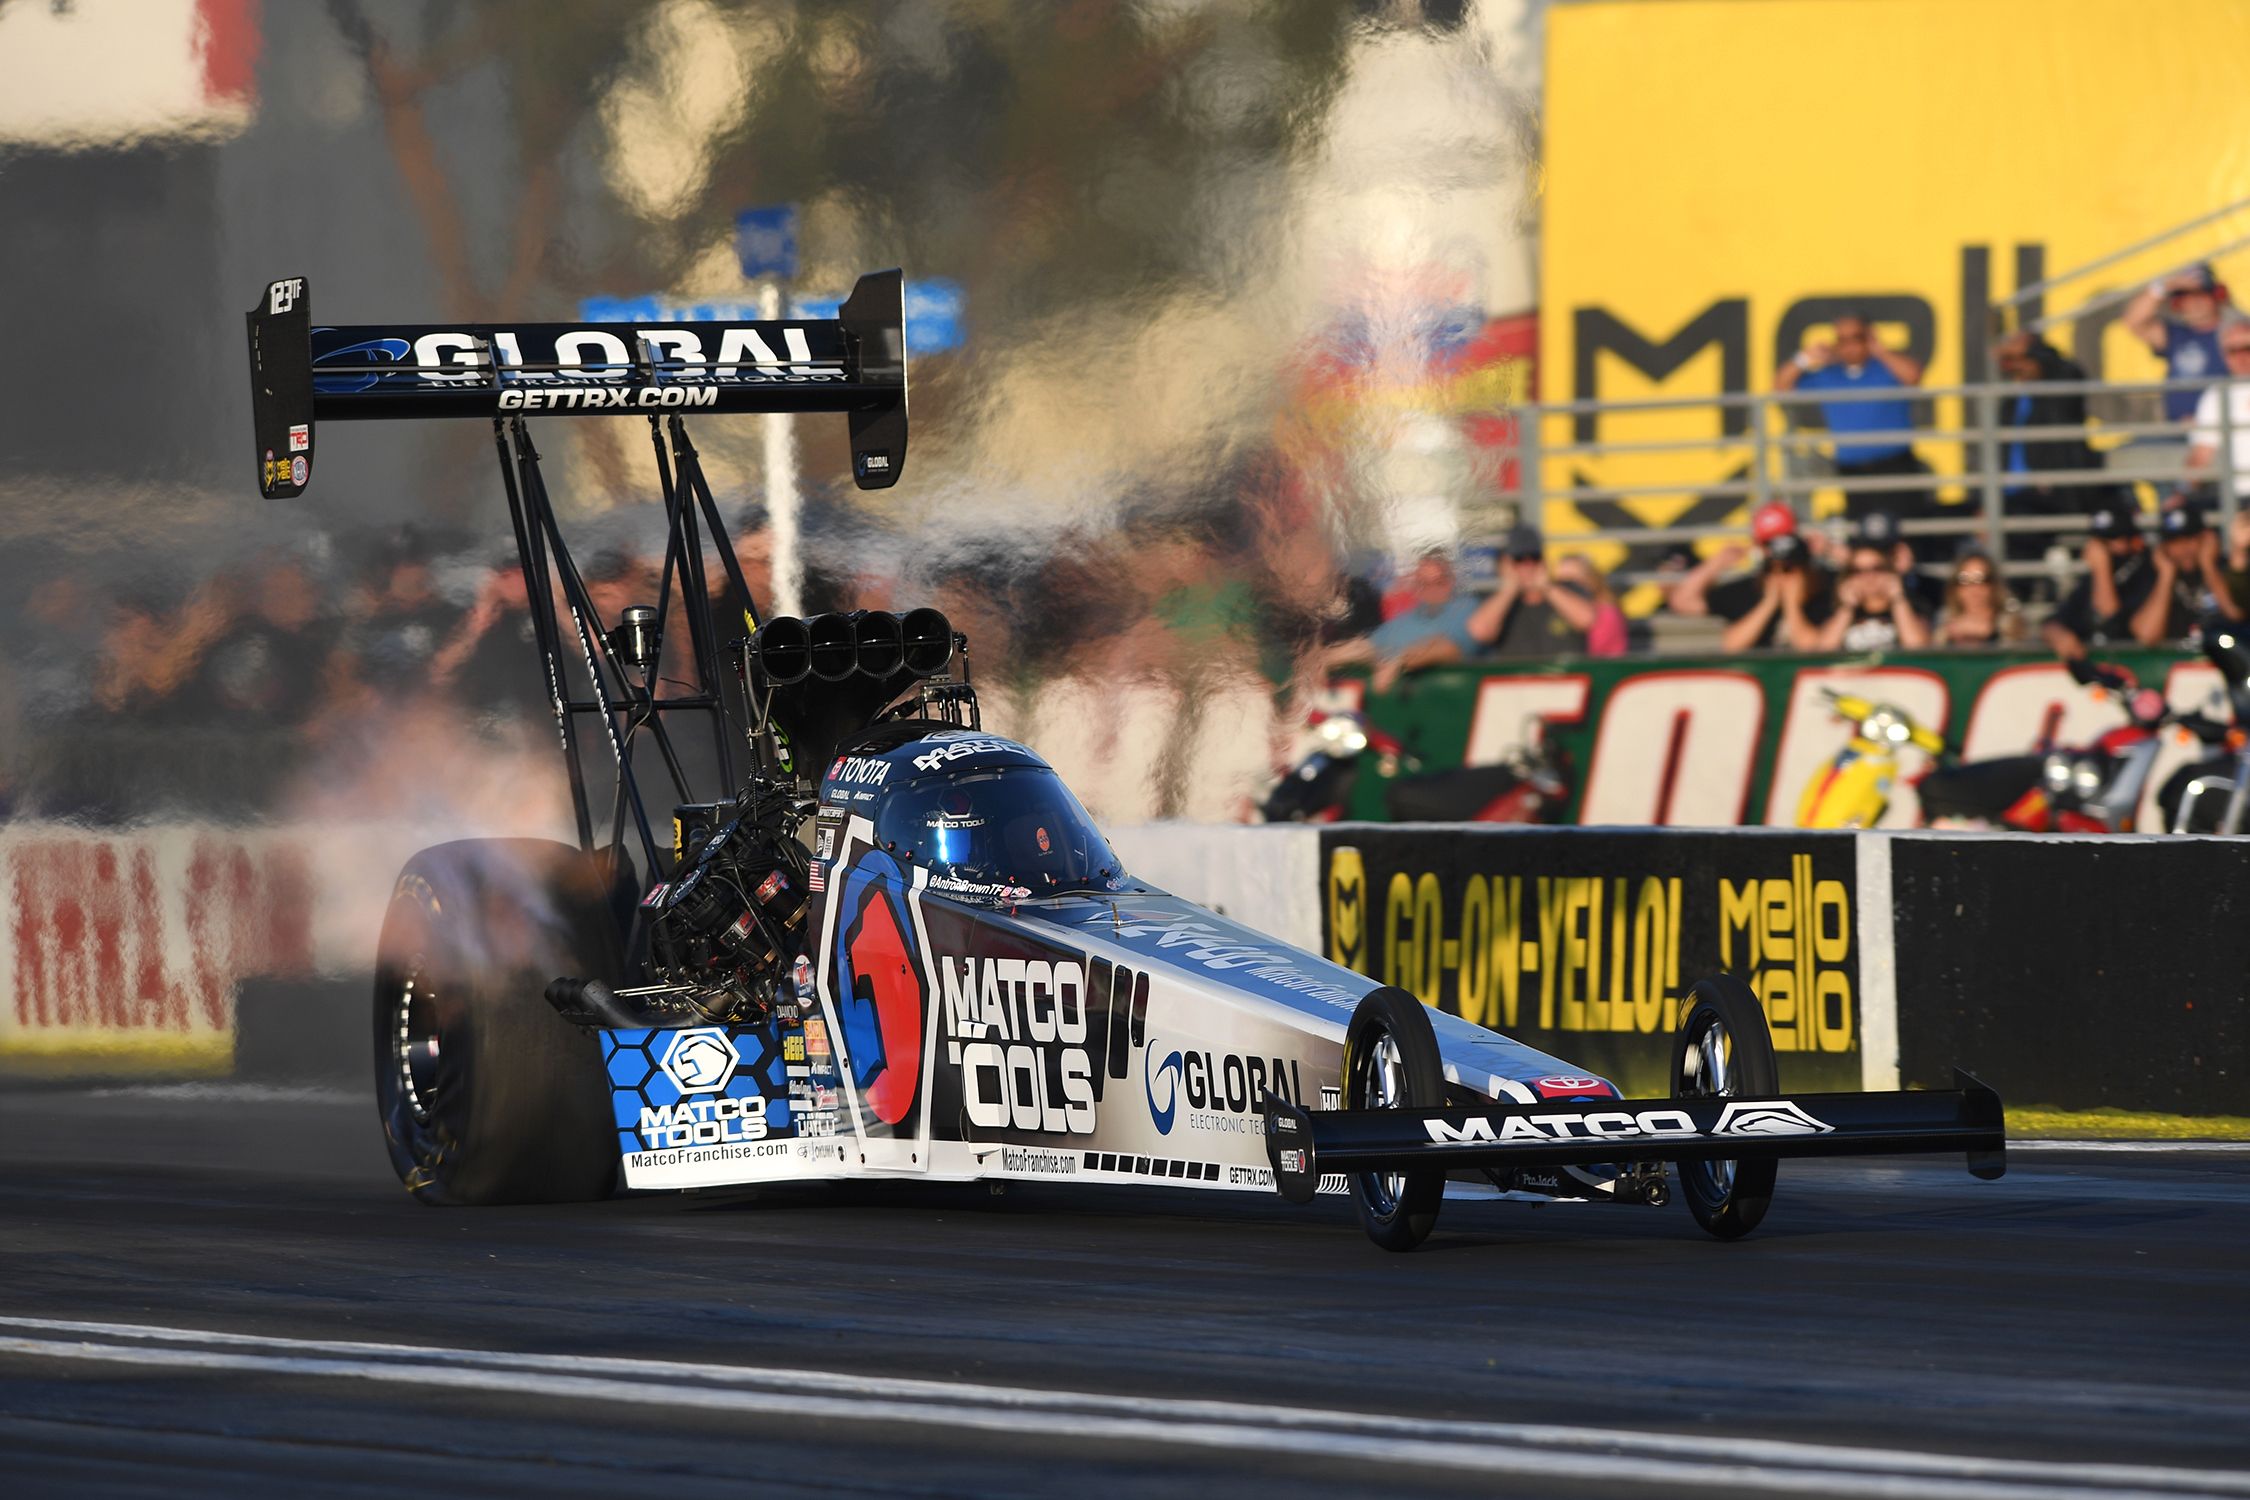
x,y
1391,1062
486,1094
1724,1049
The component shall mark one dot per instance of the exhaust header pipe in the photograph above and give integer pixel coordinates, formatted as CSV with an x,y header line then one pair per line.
x,y
835,655
784,650
865,643
880,643
927,642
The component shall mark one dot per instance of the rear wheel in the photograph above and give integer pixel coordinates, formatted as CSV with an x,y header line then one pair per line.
x,y
1724,1050
1391,1062
487,1095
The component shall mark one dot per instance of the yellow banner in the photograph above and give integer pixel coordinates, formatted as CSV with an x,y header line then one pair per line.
x,y
1724,176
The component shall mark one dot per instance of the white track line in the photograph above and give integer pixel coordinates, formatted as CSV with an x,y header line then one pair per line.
x,y
235,1093
1671,1461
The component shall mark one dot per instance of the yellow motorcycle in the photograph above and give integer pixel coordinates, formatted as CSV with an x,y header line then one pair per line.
x,y
1854,787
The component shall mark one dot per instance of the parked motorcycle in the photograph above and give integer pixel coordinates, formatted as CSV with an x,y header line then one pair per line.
x,y
2069,789
1853,790
1318,788
1531,784
2213,795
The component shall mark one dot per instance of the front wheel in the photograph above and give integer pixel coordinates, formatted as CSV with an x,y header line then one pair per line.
x,y
1724,1050
486,1094
1391,1062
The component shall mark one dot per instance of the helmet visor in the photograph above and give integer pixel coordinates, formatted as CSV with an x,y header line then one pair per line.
x,y
1017,827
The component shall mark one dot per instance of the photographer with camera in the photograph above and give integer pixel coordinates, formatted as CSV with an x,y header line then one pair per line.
x,y
1874,611
1784,603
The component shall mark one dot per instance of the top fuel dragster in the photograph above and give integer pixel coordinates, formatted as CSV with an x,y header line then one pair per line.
x,y
886,942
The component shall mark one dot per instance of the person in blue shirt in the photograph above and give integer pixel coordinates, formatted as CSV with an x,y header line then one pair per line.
x,y
1857,362
2180,317
1432,630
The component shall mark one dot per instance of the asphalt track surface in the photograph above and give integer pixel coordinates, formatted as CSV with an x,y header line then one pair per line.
x,y
220,1291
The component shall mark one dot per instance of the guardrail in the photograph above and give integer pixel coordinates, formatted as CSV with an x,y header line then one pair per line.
x,y
1781,459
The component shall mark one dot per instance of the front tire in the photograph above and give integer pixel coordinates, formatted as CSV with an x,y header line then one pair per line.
x,y
1724,1049
1391,1062
486,1094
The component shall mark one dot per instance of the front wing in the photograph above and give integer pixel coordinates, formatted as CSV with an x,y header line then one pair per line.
x,y
1302,1144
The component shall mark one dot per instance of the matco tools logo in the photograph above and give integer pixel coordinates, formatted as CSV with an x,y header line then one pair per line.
x,y
1774,1117
1605,1125
1018,1031
701,1061
1748,1118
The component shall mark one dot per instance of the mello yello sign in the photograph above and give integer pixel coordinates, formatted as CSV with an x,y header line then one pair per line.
x,y
1587,944
1724,177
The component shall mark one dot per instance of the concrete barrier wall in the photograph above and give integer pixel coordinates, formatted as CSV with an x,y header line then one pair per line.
x,y
1267,876
126,951
2084,973
2073,972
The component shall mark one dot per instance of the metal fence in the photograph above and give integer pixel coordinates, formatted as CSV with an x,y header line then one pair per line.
x,y
1780,453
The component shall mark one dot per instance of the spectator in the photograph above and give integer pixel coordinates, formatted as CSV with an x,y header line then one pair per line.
x,y
1879,529
1356,610
2119,579
1784,603
151,652
2190,586
2208,431
1979,610
2238,562
492,654
1432,631
1607,634
2025,357
1528,614
2180,317
1873,611
267,665
1857,362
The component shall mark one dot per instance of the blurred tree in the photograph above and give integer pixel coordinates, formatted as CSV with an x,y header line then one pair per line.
x,y
1043,155
553,64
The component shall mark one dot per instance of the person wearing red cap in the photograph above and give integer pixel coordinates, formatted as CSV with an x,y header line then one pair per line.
x,y
1772,519
1783,604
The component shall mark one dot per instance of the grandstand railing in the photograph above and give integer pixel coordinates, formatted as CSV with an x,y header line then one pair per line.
x,y
1779,456
2021,310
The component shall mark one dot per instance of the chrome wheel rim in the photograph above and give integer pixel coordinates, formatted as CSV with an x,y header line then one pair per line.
x,y
415,1048
1383,1086
1707,1072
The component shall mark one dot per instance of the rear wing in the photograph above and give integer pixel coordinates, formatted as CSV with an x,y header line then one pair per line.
x,y
302,374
